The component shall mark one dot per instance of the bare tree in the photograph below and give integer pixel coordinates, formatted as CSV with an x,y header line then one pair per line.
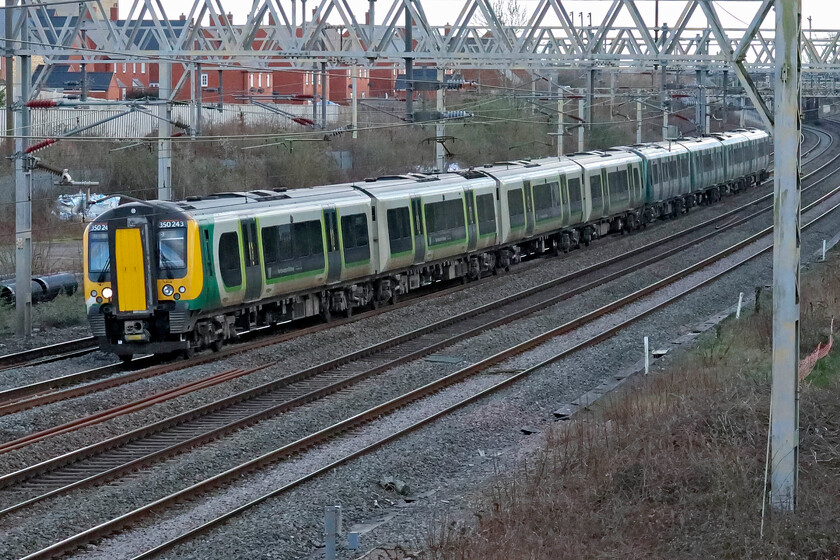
x,y
510,13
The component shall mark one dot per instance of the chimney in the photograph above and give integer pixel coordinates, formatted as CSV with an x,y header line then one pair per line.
x,y
183,17
367,17
230,18
115,13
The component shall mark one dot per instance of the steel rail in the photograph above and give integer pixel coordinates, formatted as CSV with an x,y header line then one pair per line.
x,y
378,411
14,400
47,354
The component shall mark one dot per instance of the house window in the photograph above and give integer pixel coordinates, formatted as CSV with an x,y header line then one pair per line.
x,y
204,80
142,67
133,67
125,67
251,80
268,80
259,80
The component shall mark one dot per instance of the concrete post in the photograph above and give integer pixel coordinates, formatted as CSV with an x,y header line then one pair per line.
x,y
324,94
332,528
221,104
784,402
198,93
354,96
639,117
590,98
725,100
560,119
700,109
23,191
165,132
193,99
440,126
533,97
409,69
10,72
743,110
582,117
315,96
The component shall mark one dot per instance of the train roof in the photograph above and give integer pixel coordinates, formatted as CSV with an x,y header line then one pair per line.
x,y
275,198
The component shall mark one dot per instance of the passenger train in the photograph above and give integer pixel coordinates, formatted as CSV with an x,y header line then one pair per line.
x,y
165,277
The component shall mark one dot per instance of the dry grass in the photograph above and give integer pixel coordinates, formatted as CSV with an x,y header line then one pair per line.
x,y
673,467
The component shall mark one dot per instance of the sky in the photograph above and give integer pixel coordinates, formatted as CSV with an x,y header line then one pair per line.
x,y
825,13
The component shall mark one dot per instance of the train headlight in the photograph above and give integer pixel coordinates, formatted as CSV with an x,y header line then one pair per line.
x,y
93,293
168,290
182,289
107,293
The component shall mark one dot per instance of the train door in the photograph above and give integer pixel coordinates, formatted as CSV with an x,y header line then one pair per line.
x,y
419,230
130,250
472,230
333,249
251,258
564,200
529,208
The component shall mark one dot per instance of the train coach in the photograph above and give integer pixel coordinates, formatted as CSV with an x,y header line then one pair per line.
x,y
164,277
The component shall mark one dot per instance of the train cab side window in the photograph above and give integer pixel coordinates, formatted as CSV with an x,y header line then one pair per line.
x,y
399,230
516,207
229,261
172,252
486,214
354,236
99,258
638,180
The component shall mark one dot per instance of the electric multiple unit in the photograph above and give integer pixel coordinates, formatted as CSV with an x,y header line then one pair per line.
x,y
173,277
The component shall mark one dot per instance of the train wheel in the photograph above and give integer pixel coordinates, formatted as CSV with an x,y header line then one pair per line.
x,y
326,315
217,344
188,352
349,311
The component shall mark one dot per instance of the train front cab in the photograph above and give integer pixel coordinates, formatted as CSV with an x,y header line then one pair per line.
x,y
140,278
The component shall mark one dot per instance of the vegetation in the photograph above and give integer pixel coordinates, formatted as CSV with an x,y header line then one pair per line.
x,y
63,311
673,466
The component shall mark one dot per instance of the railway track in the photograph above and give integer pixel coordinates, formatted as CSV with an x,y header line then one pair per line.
x,y
86,345
381,412
52,390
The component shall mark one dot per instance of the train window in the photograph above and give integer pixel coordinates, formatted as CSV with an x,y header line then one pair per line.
x,y
638,179
293,248
399,230
684,163
574,196
229,261
486,214
618,187
546,203
99,258
354,236
597,194
445,221
172,252
516,207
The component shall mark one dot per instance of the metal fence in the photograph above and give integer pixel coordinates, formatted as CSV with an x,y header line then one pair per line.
x,y
56,121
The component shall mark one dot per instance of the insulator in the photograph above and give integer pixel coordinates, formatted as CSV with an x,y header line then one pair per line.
x,y
179,124
40,145
41,103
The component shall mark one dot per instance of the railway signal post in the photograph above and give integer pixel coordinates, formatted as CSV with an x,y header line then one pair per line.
x,y
784,403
